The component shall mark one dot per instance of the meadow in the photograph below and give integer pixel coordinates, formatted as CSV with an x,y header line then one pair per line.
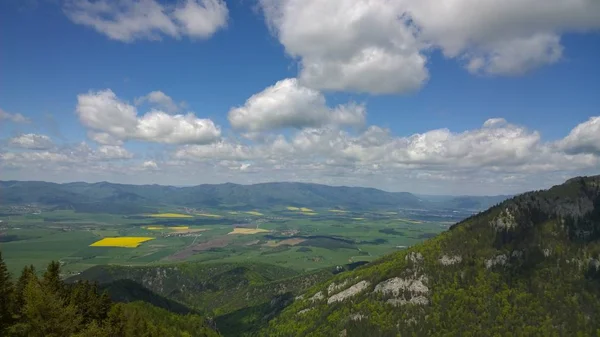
x,y
300,238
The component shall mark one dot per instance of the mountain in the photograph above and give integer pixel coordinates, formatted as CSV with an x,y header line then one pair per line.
x,y
241,296
120,198
529,266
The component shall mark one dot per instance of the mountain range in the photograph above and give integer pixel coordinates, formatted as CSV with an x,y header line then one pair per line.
x,y
121,198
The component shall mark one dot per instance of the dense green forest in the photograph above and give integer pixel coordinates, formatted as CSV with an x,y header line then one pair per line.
x,y
47,307
527,267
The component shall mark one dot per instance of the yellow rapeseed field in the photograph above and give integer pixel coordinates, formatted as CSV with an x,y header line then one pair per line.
x,y
155,228
209,215
122,241
309,213
179,228
254,213
239,230
358,218
304,209
291,208
169,215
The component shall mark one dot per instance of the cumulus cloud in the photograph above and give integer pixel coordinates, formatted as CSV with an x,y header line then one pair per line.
x,y
584,138
497,157
104,138
104,113
130,20
15,118
110,152
159,99
32,141
497,147
363,46
380,46
288,104
149,165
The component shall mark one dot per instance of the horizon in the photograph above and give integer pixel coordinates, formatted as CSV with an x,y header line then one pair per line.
x,y
390,95
287,182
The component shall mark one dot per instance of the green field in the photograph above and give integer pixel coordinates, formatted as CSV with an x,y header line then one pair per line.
x,y
294,239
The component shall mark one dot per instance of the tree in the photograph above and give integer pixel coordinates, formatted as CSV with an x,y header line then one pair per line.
x,y
6,297
27,274
51,280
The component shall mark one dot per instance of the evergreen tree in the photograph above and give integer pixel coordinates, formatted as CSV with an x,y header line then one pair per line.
x,y
6,297
19,296
51,280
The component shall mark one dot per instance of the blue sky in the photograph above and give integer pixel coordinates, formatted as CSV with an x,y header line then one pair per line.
x,y
411,117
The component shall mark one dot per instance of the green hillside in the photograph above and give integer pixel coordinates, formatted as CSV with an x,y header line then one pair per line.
x,y
527,267
48,307
241,296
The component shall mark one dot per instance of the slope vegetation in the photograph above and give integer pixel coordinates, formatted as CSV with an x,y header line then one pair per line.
x,y
529,266
241,296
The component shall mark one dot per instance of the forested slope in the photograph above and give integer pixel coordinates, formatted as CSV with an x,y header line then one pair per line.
x,y
529,266
47,307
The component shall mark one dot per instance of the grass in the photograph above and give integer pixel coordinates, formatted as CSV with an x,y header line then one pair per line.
x,y
39,242
125,242
169,215
254,213
246,231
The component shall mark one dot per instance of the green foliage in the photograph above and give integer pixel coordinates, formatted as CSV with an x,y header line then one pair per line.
x,y
241,296
528,267
48,307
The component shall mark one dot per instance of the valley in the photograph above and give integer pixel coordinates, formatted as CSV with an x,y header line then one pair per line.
x,y
279,236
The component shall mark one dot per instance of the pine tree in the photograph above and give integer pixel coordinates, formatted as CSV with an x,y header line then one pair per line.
x,y
6,298
46,314
51,280
27,274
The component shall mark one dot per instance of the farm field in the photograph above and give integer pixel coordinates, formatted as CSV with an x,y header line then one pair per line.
x,y
300,238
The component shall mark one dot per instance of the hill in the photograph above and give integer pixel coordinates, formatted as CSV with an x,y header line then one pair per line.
x,y
130,199
529,266
47,306
241,296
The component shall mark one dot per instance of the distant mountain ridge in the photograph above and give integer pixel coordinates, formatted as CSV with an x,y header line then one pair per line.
x,y
123,198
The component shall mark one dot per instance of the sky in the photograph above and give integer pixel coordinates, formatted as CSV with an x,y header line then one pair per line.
x,y
476,97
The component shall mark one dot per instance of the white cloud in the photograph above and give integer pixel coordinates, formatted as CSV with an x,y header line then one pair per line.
x,y
149,165
287,104
15,118
103,138
110,152
363,46
130,20
160,99
202,18
495,151
379,46
32,141
584,138
105,113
